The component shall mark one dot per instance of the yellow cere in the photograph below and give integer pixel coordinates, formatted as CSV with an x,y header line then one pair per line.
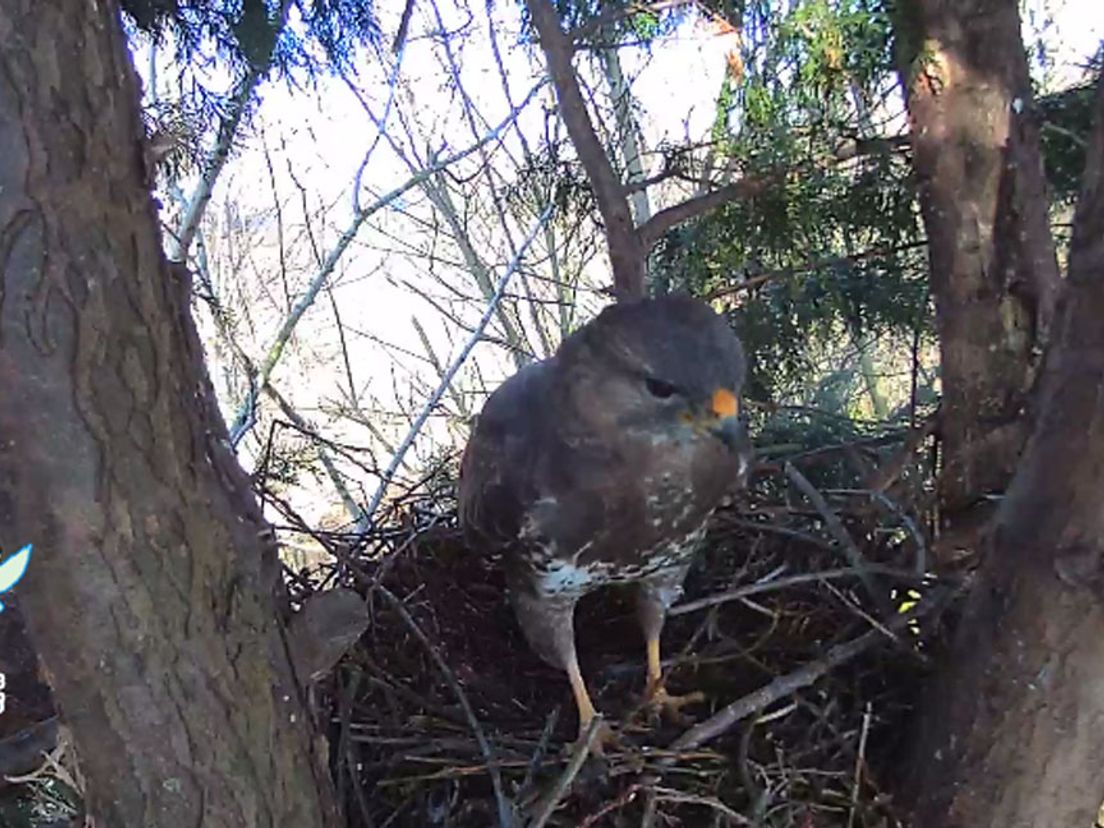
x,y
725,403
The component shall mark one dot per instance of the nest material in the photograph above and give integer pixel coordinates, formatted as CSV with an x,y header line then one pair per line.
x,y
808,667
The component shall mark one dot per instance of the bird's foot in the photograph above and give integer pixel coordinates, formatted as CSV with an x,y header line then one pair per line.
x,y
604,737
661,703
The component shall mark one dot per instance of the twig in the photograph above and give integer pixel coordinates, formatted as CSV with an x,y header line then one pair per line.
x,y
276,350
897,511
792,580
623,799
653,229
538,754
783,686
181,240
454,366
505,807
578,757
860,760
227,131
671,795
861,613
843,538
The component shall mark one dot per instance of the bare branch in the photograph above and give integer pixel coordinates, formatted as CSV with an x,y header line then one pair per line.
x,y
276,350
548,804
505,807
728,716
474,339
181,241
626,253
628,135
652,230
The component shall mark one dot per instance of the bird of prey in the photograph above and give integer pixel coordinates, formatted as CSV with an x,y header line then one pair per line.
x,y
601,465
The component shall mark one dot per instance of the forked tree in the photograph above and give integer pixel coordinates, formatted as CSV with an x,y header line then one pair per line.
x,y
156,601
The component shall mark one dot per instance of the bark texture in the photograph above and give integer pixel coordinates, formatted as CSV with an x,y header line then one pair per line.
x,y
152,595
1013,735
994,275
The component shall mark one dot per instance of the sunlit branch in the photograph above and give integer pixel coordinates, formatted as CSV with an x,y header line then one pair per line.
x,y
454,366
627,256
275,351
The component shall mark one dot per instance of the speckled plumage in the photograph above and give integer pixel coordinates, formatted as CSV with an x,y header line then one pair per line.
x,y
601,464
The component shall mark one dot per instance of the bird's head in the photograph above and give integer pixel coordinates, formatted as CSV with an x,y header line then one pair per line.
x,y
665,370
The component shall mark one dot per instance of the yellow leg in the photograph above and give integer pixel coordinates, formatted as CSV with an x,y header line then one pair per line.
x,y
657,695
605,736
582,697
655,671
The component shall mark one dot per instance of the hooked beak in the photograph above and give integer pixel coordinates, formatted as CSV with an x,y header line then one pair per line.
x,y
725,421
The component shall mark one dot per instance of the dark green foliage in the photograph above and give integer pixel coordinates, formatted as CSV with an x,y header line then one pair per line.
x,y
827,252
260,35
609,22
1067,119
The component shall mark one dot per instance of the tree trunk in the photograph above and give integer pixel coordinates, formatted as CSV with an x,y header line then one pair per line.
x,y
153,589
1013,735
994,276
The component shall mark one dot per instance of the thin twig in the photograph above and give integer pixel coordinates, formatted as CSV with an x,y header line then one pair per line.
x,y
671,795
582,750
505,807
276,350
792,580
538,754
860,761
783,686
454,366
182,239
897,511
843,538
623,799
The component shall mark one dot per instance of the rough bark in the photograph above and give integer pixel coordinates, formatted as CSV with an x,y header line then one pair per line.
x,y
994,276
1013,734
153,592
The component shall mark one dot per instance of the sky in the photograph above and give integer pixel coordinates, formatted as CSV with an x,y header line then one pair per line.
x,y
305,150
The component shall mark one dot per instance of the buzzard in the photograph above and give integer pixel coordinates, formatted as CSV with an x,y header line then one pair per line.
x,y
601,465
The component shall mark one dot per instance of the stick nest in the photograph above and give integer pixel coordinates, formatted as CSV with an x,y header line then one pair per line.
x,y
824,608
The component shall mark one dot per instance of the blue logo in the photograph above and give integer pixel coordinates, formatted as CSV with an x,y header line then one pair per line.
x,y
13,568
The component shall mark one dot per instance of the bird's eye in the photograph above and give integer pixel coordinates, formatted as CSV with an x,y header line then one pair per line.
x,y
660,389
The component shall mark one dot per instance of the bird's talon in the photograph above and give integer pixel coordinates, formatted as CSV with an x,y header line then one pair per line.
x,y
605,737
660,702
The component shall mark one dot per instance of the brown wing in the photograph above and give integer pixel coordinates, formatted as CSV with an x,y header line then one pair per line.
x,y
497,471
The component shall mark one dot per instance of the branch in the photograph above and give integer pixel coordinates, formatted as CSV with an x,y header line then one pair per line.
x,y
727,717
352,508
547,805
615,15
836,528
789,581
652,230
626,253
446,379
275,351
228,129
505,807
201,197
628,135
